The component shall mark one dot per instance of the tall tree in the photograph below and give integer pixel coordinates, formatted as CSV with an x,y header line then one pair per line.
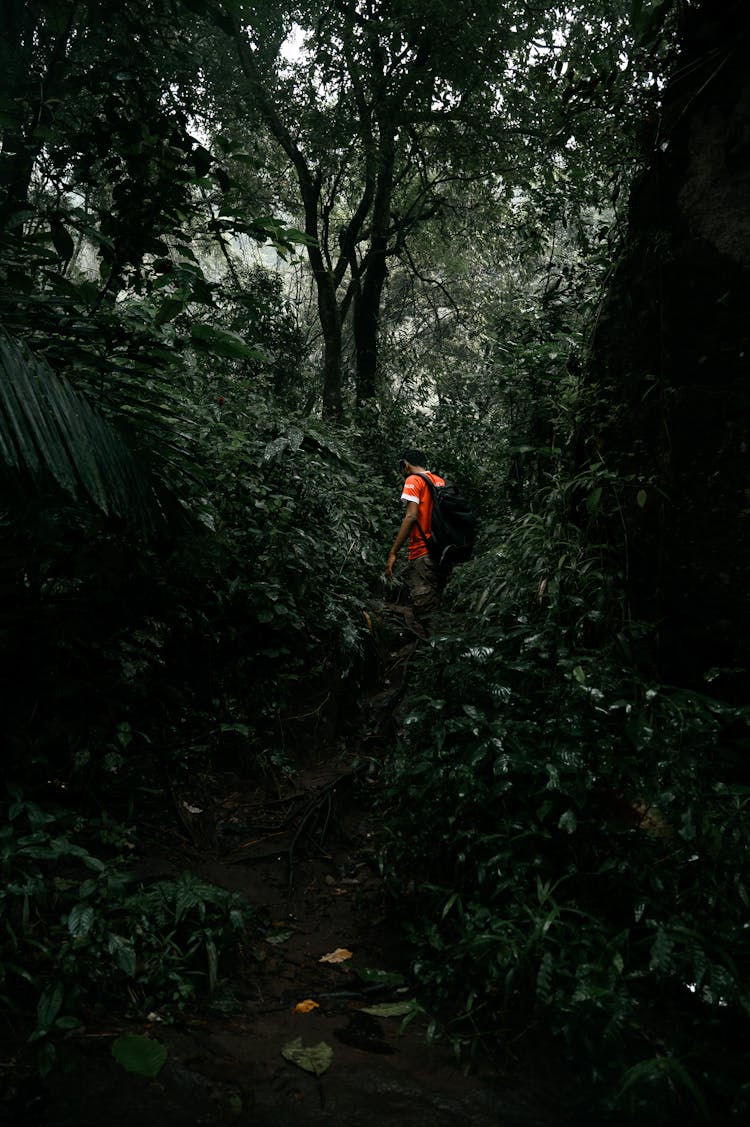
x,y
377,105
35,42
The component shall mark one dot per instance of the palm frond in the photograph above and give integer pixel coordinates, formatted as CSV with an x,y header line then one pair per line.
x,y
49,432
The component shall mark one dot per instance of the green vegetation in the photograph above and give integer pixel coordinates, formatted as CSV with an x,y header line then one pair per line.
x,y
79,932
226,303
575,833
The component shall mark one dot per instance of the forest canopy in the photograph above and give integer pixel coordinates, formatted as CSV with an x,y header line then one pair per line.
x,y
249,252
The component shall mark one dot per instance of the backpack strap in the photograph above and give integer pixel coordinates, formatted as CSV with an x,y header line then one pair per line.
x,y
433,487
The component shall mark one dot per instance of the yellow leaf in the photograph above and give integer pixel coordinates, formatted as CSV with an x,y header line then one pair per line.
x,y
306,1006
340,955
651,820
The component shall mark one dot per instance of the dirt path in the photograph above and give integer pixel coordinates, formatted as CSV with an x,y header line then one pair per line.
x,y
229,1068
303,851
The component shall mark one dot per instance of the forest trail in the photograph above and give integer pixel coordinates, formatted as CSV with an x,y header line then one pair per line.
x,y
302,850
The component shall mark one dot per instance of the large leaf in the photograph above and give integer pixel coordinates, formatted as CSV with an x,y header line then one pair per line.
x,y
50,432
223,342
141,1055
312,1058
391,1009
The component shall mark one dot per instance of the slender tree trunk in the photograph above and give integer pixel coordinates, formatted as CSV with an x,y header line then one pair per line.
x,y
367,301
330,321
328,309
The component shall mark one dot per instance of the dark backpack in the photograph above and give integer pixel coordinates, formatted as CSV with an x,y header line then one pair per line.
x,y
453,531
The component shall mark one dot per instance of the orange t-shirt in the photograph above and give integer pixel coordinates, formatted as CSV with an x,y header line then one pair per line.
x,y
417,489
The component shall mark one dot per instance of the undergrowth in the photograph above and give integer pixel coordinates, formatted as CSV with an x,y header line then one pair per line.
x,y
575,833
79,935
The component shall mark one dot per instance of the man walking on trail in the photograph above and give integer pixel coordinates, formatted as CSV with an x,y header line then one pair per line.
x,y
422,576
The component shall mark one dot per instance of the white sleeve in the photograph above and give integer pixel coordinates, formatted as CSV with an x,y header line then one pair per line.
x,y
410,492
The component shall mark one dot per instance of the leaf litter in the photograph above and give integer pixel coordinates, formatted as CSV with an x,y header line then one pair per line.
x,y
340,955
312,1058
306,1006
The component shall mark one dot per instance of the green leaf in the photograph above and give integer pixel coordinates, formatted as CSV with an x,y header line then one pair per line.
x,y
68,1022
316,1058
124,953
568,821
648,18
661,951
391,1009
593,499
48,432
276,937
168,310
80,920
448,905
222,342
641,498
49,1005
140,1055
46,1058
380,977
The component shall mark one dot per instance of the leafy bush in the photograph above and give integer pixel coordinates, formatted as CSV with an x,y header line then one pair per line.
x,y
573,831
76,933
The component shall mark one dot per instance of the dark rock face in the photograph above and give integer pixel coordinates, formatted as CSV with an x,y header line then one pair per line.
x,y
672,359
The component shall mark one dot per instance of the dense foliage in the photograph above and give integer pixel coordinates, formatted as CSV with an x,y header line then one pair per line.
x,y
193,536
575,832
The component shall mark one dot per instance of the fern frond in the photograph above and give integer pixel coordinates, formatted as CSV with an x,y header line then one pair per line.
x,y
49,432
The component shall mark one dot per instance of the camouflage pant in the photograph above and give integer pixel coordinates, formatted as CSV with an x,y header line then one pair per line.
x,y
424,585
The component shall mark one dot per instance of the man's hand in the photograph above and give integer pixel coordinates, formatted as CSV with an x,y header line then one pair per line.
x,y
412,508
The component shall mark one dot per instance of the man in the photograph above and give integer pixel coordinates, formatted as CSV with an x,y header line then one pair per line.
x,y
422,575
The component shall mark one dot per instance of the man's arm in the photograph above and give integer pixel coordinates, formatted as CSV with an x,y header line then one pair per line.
x,y
412,511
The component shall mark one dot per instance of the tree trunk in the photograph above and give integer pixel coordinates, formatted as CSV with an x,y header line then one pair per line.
x,y
367,300
330,322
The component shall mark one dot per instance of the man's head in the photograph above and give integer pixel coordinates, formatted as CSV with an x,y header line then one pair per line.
x,y
411,459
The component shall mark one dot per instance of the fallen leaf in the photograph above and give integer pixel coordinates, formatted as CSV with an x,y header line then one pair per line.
x,y
315,1058
379,977
141,1055
306,1006
390,1009
651,820
279,936
340,955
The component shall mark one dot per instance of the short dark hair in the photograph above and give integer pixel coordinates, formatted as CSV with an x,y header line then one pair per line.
x,y
413,456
